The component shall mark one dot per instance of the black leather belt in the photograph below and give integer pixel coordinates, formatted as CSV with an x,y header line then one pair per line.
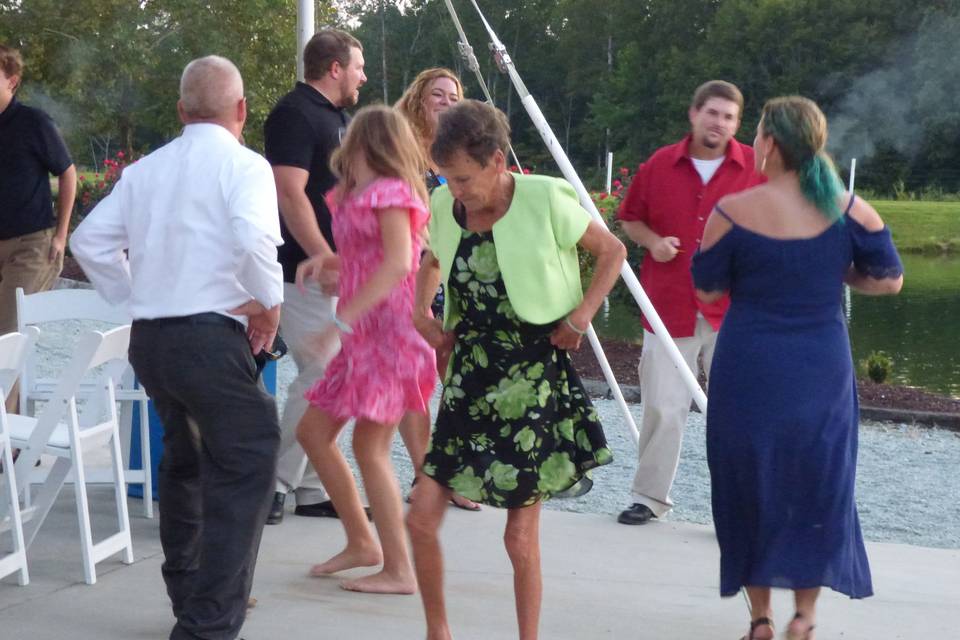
x,y
197,318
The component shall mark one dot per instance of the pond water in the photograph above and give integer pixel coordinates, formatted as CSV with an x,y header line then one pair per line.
x,y
918,329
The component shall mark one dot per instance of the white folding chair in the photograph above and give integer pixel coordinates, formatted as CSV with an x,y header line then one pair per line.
x,y
63,431
86,304
14,348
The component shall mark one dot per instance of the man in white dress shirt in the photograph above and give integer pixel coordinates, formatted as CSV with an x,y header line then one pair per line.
x,y
198,220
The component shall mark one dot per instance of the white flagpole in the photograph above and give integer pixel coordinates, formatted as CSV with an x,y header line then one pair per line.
x,y
609,171
556,150
847,298
305,28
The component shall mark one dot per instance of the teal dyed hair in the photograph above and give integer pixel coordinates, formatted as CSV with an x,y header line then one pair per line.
x,y
799,128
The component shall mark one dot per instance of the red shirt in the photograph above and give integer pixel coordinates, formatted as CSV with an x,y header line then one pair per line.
x,y
668,195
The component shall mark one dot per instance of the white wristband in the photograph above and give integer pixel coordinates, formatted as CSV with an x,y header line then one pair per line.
x,y
340,324
574,327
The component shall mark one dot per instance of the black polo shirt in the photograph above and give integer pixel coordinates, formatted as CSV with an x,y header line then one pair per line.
x,y
303,131
31,149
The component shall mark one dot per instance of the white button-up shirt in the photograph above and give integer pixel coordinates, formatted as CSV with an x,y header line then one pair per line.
x,y
198,218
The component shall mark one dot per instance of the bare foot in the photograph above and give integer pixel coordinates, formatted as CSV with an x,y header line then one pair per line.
x,y
348,559
382,582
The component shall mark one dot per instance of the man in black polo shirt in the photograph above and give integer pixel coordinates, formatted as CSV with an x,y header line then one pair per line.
x,y
32,240
300,134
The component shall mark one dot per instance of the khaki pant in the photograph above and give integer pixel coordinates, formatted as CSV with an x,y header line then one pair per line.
x,y
304,315
24,262
666,402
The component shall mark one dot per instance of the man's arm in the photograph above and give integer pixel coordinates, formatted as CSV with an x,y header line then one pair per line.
x,y
633,214
255,224
297,212
98,244
66,193
662,248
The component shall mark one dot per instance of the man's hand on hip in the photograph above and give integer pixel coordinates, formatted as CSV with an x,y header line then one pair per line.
x,y
262,324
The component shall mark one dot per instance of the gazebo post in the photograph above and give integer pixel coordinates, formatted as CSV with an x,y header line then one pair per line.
x,y
305,29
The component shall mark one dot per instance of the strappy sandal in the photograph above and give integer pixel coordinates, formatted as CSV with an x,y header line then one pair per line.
x,y
759,622
793,635
453,499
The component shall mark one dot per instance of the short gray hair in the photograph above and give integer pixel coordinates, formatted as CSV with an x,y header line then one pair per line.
x,y
210,87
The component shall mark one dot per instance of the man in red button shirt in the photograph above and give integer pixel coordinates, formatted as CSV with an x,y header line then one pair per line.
x,y
665,210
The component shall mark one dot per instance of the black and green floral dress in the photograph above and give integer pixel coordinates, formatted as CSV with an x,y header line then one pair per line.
x,y
515,425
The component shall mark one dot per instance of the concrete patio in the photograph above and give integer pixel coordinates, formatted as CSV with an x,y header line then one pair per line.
x,y
602,580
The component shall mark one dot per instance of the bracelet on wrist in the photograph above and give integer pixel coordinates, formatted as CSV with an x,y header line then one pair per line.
x,y
341,325
574,328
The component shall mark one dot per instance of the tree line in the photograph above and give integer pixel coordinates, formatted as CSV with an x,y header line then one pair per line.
x,y
611,75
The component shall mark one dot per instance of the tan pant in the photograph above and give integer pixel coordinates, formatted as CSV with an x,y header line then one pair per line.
x,y
304,315
24,262
666,402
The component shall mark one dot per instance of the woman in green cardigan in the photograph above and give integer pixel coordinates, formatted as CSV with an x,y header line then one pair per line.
x,y
515,425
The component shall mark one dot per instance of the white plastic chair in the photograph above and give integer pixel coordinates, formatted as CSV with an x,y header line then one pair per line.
x,y
14,348
60,430
86,304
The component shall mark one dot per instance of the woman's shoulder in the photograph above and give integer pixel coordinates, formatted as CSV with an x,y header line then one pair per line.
x,y
736,205
862,212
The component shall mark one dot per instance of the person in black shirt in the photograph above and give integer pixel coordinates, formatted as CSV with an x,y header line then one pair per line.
x,y
300,134
32,240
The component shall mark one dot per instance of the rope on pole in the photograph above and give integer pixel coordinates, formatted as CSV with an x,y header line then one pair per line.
x,y
466,52
633,284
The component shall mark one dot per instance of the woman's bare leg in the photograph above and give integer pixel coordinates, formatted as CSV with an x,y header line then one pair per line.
x,y
760,608
415,432
317,434
522,540
371,448
423,523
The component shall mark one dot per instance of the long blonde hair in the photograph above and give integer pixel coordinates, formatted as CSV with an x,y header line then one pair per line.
x,y
387,144
410,103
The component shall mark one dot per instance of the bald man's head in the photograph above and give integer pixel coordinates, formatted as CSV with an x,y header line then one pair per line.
x,y
210,89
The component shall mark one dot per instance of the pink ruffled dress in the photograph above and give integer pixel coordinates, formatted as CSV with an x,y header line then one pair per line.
x,y
384,368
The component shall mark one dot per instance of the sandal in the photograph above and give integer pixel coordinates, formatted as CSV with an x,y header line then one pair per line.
x,y
469,506
472,506
759,622
805,635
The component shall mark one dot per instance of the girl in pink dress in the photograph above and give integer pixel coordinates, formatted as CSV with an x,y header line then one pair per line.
x,y
384,368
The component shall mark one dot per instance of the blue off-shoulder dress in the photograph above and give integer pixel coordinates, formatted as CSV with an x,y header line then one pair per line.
x,y
782,415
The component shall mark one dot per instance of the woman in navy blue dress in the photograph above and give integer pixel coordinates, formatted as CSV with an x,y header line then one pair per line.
x,y
782,416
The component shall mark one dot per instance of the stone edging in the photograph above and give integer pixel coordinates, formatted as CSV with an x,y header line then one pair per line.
x,y
951,421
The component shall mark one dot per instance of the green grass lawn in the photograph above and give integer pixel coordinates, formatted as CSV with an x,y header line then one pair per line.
x,y
922,227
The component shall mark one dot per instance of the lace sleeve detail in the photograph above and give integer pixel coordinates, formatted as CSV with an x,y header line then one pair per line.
x,y
880,272
874,254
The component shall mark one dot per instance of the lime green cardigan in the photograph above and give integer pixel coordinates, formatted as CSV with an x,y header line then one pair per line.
x,y
536,242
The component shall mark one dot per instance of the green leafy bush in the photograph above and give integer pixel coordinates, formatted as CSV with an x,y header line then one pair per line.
x,y
878,366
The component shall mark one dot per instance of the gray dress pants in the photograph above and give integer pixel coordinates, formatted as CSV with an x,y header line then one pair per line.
x,y
216,475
